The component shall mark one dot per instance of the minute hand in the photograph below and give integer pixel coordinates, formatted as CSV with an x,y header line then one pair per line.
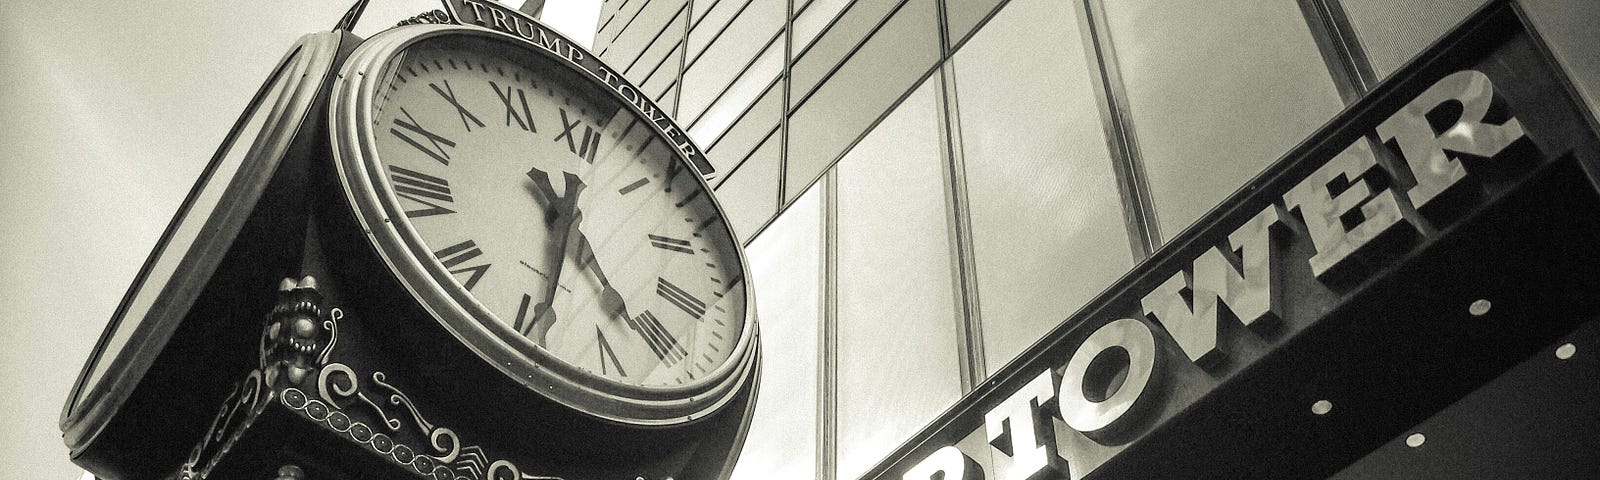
x,y
610,299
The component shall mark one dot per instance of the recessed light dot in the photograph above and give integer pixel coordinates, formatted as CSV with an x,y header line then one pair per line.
x,y
1566,350
1322,407
1415,440
1479,308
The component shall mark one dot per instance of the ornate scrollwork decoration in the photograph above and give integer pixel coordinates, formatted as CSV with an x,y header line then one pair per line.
x,y
328,387
288,348
247,400
398,397
297,338
436,16
457,463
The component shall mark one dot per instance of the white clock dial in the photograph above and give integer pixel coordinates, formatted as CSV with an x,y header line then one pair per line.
x,y
561,211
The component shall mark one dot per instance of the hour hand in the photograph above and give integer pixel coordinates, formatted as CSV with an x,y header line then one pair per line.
x,y
557,207
561,217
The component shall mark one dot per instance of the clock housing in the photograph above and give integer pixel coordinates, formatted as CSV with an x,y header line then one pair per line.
x,y
380,154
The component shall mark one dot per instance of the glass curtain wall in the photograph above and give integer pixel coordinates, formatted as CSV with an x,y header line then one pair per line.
x,y
992,166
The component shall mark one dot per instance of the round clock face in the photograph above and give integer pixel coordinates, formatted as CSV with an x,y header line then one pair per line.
x,y
549,211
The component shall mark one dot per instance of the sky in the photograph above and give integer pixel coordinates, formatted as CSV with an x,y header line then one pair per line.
x,y
107,115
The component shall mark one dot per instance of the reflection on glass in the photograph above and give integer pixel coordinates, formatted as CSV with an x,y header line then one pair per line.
x,y
1047,222
786,268
1217,90
897,357
1392,31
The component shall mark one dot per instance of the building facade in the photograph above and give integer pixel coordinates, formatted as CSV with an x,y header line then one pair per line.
x,y
928,188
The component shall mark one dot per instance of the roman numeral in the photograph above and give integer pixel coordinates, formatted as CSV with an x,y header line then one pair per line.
x,y
585,148
421,188
522,324
669,243
607,353
450,96
461,253
437,152
661,341
525,118
679,298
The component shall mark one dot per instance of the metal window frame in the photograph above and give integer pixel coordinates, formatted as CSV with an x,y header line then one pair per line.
x,y
1330,27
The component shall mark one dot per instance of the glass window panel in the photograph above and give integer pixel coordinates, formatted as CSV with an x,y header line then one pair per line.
x,y
669,99
897,358
855,23
649,37
1392,31
709,28
608,16
667,40
749,194
1567,26
727,107
1217,90
786,270
1047,222
700,8
625,15
665,75
893,60
751,129
962,16
751,41
810,21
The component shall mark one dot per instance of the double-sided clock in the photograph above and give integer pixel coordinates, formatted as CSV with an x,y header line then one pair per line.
x,y
192,281
544,221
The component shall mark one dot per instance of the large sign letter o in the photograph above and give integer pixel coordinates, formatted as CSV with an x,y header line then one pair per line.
x,y
1089,415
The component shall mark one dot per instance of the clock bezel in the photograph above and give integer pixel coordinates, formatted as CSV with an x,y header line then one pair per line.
x,y
378,211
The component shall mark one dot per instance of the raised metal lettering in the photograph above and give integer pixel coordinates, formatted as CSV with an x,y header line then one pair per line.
x,y
1020,427
1088,416
1321,207
946,463
1424,149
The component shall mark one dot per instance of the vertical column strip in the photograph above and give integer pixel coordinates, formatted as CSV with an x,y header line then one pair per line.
x,y
783,112
1341,50
683,53
969,330
827,343
1139,215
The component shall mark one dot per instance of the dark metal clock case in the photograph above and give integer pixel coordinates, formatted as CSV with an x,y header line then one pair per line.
x,y
386,363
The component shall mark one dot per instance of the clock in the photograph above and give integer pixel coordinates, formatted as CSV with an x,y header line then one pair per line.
x,y
257,161
545,221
